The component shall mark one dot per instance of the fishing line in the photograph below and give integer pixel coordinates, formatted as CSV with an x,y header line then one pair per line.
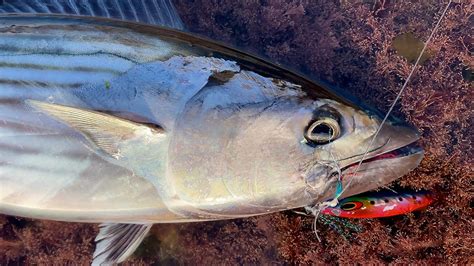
x,y
397,98
316,210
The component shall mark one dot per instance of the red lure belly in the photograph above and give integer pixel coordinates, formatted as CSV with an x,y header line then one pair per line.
x,y
380,204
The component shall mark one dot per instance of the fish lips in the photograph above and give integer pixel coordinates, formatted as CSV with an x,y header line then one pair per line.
x,y
396,155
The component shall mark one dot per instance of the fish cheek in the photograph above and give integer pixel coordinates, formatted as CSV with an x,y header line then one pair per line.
x,y
228,160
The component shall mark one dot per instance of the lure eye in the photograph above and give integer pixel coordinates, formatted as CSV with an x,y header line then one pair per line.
x,y
349,206
323,130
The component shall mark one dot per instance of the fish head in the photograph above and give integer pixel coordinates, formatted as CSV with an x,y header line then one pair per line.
x,y
342,135
282,154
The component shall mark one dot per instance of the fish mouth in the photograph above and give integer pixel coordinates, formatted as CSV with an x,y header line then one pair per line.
x,y
396,157
410,149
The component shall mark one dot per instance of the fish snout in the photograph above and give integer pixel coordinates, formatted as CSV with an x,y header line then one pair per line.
x,y
393,153
398,156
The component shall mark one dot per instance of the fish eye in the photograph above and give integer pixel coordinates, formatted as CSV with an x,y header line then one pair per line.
x,y
323,130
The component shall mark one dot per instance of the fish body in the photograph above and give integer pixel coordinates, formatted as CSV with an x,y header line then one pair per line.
x,y
379,204
230,141
129,124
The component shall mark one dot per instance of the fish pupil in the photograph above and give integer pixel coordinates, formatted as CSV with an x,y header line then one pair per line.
x,y
322,129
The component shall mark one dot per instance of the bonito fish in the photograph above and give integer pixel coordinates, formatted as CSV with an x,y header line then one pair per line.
x,y
129,124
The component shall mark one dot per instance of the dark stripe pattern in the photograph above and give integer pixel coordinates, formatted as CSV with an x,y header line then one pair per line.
x,y
157,12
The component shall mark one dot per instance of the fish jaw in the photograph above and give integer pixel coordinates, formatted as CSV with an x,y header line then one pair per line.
x,y
388,152
380,171
393,154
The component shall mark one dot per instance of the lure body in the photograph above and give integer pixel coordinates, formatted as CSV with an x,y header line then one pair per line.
x,y
380,204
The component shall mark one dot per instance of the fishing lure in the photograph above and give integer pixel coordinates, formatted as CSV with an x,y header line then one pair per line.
x,y
380,204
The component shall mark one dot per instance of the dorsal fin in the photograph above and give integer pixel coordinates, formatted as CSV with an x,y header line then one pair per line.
x,y
157,12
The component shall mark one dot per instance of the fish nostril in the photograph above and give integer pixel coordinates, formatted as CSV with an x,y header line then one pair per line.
x,y
372,202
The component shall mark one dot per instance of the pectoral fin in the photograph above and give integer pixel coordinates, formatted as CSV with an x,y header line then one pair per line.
x,y
109,133
116,242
